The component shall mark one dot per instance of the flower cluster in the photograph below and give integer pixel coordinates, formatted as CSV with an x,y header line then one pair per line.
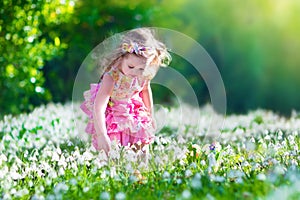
x,y
43,155
138,49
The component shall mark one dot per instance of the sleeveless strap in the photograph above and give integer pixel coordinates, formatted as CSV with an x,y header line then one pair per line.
x,y
113,72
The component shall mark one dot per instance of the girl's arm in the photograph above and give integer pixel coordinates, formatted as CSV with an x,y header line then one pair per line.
x,y
146,95
100,104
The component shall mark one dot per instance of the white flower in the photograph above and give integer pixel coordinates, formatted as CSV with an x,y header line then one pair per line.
x,y
15,175
21,192
217,178
60,187
268,137
73,181
193,165
58,150
166,175
181,140
104,196
114,154
103,174
86,189
113,172
55,156
48,181
41,188
132,178
188,173
250,146
261,177
61,171
143,165
30,183
87,156
62,161
178,181
210,197
131,156
196,183
206,149
3,158
50,197
291,139
279,170
186,194
212,160
13,191
52,174
120,196
235,174
37,197
181,162
158,160
239,180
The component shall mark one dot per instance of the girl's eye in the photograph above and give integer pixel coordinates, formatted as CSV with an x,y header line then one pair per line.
x,y
142,69
131,67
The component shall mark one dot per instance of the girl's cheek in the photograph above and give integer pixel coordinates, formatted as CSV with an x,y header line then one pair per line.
x,y
135,72
126,71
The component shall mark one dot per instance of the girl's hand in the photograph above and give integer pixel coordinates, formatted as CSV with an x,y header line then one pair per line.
x,y
100,105
104,142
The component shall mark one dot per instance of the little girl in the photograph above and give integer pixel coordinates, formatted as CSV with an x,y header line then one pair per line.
x,y
120,106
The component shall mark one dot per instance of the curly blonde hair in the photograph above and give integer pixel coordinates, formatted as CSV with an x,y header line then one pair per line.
x,y
141,36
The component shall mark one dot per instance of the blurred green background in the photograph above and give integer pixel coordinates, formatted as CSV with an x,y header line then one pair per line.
x,y
254,43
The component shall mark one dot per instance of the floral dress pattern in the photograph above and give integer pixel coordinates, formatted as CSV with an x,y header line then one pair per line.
x,y
127,118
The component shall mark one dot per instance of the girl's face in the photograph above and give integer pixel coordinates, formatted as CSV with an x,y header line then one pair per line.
x,y
133,65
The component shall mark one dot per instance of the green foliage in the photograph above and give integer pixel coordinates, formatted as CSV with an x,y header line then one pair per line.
x,y
258,119
256,52
91,23
28,38
253,43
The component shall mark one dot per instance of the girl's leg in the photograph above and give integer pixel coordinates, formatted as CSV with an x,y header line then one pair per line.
x,y
143,149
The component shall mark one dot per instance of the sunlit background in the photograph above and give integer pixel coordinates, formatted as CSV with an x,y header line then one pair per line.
x,y
254,43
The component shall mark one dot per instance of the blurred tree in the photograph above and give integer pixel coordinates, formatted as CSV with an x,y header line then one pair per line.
x,y
28,38
92,22
254,44
254,51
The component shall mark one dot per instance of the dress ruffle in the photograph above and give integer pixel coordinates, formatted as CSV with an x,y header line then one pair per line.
x,y
88,104
127,120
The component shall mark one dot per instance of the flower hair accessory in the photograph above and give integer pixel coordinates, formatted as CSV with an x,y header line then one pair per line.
x,y
138,49
164,57
148,52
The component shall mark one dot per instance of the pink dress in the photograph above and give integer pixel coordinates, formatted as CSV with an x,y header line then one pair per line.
x,y
127,118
